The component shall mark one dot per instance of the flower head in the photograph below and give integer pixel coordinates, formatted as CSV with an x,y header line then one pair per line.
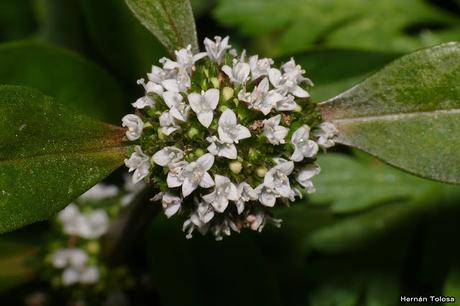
x,y
217,131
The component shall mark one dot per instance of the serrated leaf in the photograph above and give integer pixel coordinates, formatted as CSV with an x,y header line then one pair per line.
x,y
72,81
171,21
407,114
48,156
295,25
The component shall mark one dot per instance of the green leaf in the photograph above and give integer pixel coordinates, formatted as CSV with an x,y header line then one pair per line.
x,y
136,49
343,180
287,26
72,80
48,156
335,70
171,21
407,114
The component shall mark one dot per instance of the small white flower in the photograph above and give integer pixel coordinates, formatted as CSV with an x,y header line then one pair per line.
x,y
196,174
175,178
177,108
144,102
139,163
274,132
306,174
285,84
325,134
89,275
259,67
69,257
261,98
167,156
239,73
258,220
99,192
186,59
168,124
229,130
180,83
224,228
171,204
246,194
216,49
204,105
205,212
224,191
267,196
135,126
277,178
94,224
304,147
220,148
151,87
294,72
286,104
192,223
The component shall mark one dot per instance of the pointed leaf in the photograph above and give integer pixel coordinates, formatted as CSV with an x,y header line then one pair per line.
x,y
171,21
407,114
48,156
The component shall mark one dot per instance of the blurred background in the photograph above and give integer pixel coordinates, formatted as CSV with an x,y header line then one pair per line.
x,y
370,233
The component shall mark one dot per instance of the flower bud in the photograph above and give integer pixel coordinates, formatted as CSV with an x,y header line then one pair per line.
x,y
192,133
227,93
215,82
235,167
261,171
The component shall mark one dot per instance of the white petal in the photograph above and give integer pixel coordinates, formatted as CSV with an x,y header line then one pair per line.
x,y
188,187
206,181
228,71
228,117
300,92
243,132
172,99
275,76
173,180
229,151
211,97
171,85
297,156
220,205
195,102
206,161
205,118
161,158
172,209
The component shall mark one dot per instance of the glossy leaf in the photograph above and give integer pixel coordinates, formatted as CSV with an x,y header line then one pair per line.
x,y
171,21
349,184
48,156
72,80
287,26
407,114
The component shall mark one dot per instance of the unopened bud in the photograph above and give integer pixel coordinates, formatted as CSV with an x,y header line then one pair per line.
x,y
192,133
215,82
227,93
235,167
261,171
198,152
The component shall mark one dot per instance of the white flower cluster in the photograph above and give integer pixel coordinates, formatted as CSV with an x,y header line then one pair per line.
x,y
82,227
255,123
76,266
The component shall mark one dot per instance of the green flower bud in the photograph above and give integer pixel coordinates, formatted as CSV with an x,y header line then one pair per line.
x,y
261,171
93,247
235,167
192,133
215,82
227,93
198,152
